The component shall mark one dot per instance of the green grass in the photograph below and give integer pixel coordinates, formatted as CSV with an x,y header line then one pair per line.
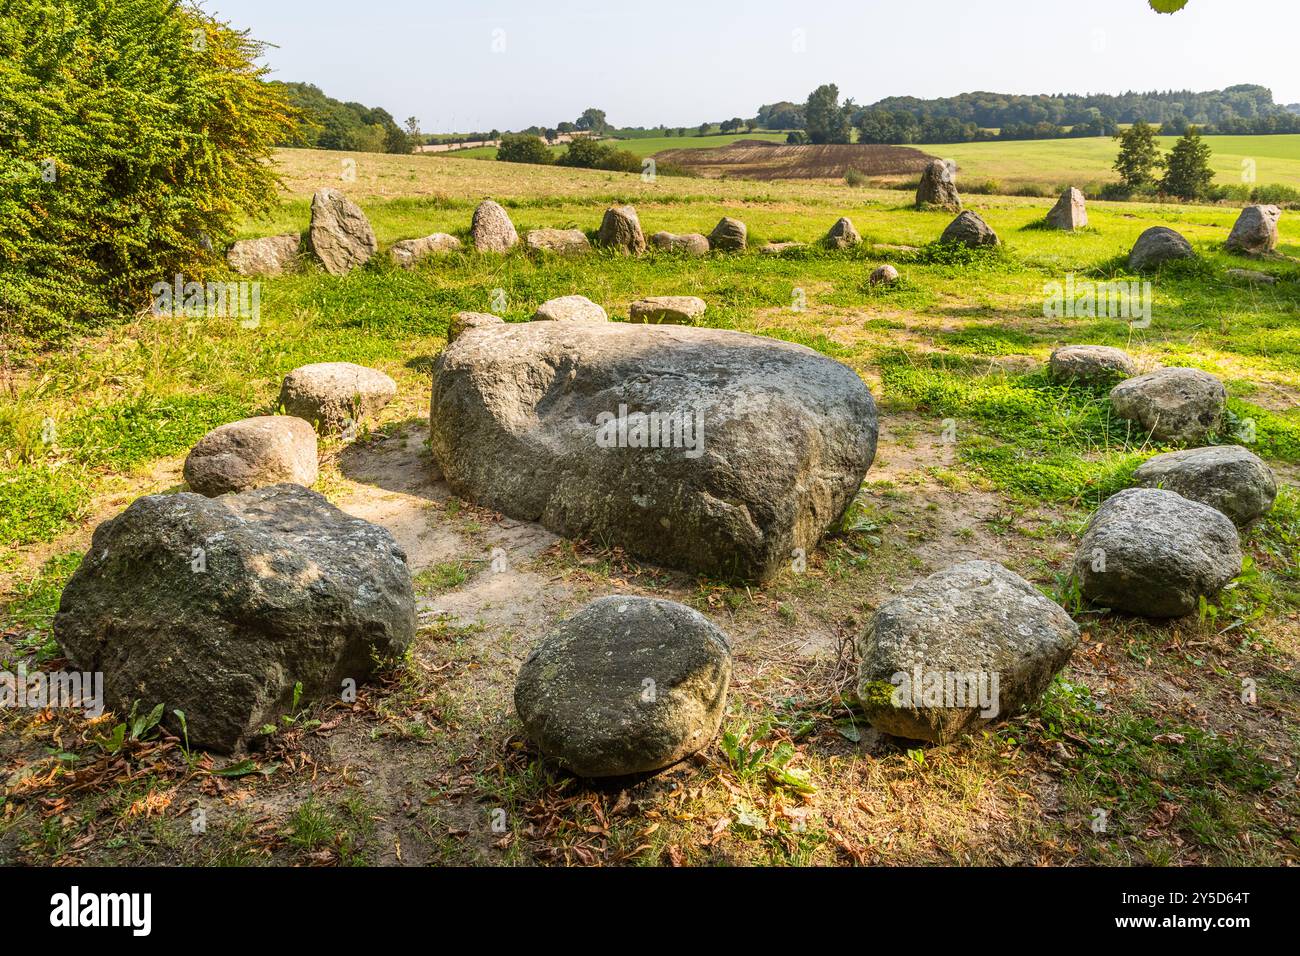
x,y
1085,161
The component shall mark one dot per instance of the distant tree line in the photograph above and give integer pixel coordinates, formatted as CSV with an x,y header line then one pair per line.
x,y
1244,109
327,123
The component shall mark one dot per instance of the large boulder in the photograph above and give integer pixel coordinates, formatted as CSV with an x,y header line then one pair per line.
x,y
1172,404
334,396
464,321
842,235
679,309
1156,246
1153,552
253,453
729,235
1255,231
1090,364
690,244
708,450
491,229
938,187
557,242
217,607
408,252
1226,477
968,229
570,308
340,233
627,685
969,645
270,256
1070,212
620,230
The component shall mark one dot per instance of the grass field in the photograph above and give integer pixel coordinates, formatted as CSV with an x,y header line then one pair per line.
x,y
644,147
1080,162
1145,724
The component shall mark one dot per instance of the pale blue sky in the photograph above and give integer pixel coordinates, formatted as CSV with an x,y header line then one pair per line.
x,y
479,64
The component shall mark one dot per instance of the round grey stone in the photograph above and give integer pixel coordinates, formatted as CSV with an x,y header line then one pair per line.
x,y
969,645
1156,246
253,453
1154,553
1172,404
1090,363
1226,477
627,685
334,395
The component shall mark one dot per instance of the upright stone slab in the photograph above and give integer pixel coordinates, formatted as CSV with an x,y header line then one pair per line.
x,y
340,233
1070,212
1255,231
938,187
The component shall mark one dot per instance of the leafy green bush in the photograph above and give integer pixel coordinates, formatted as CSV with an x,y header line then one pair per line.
x,y
1276,194
590,154
135,134
523,148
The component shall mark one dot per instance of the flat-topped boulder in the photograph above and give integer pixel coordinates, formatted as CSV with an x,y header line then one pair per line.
x,y
335,395
967,646
1156,246
464,321
779,248
1255,231
407,252
968,229
1090,363
729,235
269,256
218,607
1253,276
1070,212
680,309
340,233
938,187
1154,553
1172,404
627,685
253,453
1228,478
842,235
557,242
620,230
707,450
570,308
689,244
491,229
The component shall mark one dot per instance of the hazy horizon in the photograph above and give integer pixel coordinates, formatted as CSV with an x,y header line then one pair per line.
x,y
509,65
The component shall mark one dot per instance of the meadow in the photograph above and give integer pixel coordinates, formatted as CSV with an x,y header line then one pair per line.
x,y
980,456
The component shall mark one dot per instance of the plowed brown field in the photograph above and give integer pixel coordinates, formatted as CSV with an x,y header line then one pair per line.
x,y
756,159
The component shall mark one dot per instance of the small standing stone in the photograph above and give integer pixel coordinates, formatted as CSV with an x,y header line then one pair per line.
x,y
340,233
491,229
1255,232
1070,212
620,230
968,229
1156,246
843,235
938,187
729,235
